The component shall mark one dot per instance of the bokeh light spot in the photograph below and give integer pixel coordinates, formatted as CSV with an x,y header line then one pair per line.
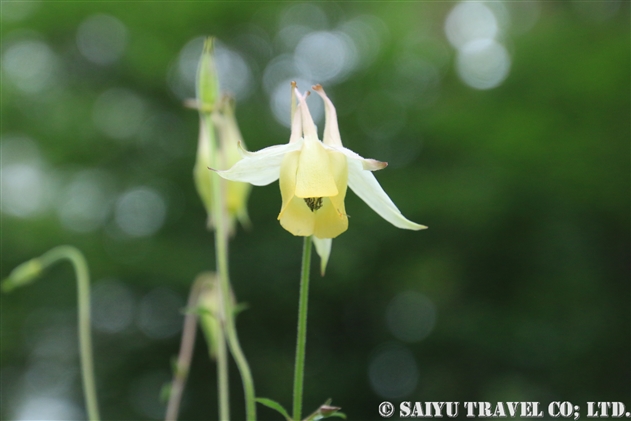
x,y
306,14
393,372
30,65
468,21
112,306
325,56
118,113
483,63
23,187
85,203
47,408
159,314
102,39
411,316
50,377
140,212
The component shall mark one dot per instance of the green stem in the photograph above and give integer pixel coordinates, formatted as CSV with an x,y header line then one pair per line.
x,y
222,375
29,271
221,252
302,329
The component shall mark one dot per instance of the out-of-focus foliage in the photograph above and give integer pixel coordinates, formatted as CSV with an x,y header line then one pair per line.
x,y
507,133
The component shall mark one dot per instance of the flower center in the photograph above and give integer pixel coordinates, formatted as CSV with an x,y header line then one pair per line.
x,y
314,203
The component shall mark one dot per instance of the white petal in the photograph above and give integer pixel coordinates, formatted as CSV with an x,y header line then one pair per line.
x,y
366,186
323,248
261,167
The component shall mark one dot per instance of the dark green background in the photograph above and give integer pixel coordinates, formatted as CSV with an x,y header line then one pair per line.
x,y
525,189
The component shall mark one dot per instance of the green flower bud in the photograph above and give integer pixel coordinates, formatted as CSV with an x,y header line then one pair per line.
x,y
24,274
211,310
207,88
230,148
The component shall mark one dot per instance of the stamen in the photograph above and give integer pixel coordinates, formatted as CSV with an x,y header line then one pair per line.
x,y
314,203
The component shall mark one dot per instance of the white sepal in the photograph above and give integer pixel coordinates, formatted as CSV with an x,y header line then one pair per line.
x,y
323,248
367,163
366,186
262,167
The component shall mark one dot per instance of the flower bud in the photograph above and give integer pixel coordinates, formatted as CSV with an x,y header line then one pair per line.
x,y
231,146
210,311
24,274
207,88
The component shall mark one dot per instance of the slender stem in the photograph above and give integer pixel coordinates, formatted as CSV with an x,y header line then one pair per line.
x,y
85,340
302,329
221,251
186,353
222,374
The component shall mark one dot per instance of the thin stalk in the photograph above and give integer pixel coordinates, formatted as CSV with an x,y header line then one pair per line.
x,y
221,251
85,340
301,342
186,353
222,374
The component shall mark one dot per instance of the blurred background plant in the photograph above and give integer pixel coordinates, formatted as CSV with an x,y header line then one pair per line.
x,y
506,127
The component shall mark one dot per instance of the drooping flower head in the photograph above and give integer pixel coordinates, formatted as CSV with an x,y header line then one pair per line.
x,y
314,176
218,145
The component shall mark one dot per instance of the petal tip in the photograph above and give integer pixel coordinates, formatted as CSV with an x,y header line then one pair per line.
x,y
373,164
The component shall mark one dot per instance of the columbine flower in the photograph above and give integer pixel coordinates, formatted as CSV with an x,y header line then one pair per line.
x,y
313,178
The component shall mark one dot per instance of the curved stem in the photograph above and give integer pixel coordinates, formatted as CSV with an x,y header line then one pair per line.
x,y
29,271
221,251
301,342
186,354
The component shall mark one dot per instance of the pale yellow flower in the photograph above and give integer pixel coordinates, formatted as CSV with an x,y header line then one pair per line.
x,y
314,176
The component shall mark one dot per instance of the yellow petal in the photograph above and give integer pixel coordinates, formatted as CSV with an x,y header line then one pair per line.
x,y
287,178
297,218
331,219
314,177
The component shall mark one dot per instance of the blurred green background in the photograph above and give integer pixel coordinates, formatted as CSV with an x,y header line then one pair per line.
x,y
506,126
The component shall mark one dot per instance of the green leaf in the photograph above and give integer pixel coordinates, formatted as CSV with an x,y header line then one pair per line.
x,y
275,406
